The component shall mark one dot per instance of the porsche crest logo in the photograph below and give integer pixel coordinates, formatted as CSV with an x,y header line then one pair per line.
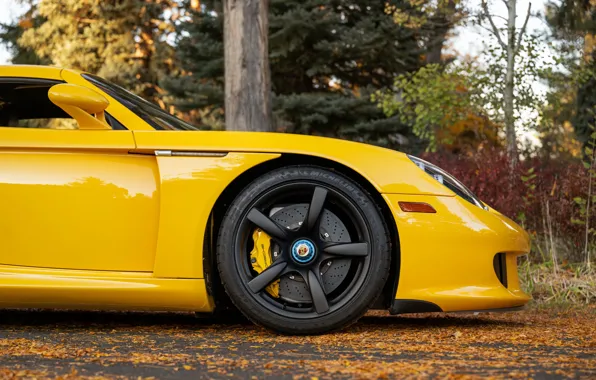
x,y
303,250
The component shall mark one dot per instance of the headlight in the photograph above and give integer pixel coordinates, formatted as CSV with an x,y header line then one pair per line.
x,y
448,181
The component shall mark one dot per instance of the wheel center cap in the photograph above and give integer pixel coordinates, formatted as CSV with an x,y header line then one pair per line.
x,y
303,251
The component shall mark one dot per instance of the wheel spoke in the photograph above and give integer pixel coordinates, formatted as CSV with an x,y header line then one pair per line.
x,y
266,224
315,207
347,249
267,276
319,299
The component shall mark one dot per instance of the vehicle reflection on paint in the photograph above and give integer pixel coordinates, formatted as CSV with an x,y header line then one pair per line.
x,y
79,211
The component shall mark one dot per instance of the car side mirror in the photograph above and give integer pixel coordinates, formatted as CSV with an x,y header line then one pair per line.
x,y
82,104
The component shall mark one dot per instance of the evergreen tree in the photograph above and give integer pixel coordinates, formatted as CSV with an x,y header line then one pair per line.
x,y
326,56
10,35
198,83
123,41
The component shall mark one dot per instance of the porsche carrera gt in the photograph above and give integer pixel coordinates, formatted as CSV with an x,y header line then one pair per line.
x,y
109,202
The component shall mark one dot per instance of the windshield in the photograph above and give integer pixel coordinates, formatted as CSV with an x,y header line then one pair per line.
x,y
151,113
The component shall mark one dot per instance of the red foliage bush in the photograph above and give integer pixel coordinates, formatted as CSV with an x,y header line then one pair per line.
x,y
557,182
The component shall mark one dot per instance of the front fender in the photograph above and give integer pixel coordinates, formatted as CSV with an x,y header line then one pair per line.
x,y
389,171
188,190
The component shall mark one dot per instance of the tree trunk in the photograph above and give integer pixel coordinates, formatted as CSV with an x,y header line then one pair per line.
x,y
247,76
444,23
509,85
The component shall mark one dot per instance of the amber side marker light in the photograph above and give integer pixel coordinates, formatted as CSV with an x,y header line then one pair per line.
x,y
417,207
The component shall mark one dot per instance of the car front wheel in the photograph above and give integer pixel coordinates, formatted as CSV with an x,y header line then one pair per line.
x,y
303,250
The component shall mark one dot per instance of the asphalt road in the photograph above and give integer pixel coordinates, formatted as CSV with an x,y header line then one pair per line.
x,y
537,344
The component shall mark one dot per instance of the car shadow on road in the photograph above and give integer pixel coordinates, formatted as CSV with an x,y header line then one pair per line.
x,y
107,319
14,319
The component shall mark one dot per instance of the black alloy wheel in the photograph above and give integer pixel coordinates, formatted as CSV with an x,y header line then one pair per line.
x,y
330,250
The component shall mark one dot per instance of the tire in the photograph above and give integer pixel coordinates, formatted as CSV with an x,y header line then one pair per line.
x,y
331,248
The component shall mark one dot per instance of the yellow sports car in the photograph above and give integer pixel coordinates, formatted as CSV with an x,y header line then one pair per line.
x,y
108,202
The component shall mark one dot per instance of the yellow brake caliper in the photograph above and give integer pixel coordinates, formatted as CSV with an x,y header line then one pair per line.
x,y
260,258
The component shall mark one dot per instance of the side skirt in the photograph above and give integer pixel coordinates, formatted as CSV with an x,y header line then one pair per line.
x,y
26,287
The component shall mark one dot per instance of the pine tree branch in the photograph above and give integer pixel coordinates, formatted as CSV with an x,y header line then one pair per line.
x,y
495,30
523,30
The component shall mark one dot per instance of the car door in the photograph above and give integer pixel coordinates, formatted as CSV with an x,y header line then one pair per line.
x,y
71,198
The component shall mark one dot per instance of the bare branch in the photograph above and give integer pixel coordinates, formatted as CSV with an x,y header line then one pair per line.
x,y
485,28
495,30
522,31
501,17
506,3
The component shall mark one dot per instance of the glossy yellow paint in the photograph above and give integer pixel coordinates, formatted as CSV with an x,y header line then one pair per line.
x,y
83,104
31,71
389,171
97,290
96,211
447,257
190,187
122,228
67,139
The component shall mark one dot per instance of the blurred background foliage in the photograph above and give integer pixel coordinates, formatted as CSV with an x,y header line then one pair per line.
x,y
380,72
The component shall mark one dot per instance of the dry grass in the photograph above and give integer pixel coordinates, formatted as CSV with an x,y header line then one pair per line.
x,y
565,284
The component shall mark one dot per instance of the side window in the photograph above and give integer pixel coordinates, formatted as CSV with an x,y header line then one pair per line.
x,y
24,103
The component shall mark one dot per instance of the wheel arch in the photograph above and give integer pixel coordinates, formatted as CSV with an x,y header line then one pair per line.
x,y
233,189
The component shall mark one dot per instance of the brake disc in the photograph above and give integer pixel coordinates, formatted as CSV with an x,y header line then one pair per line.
x,y
292,287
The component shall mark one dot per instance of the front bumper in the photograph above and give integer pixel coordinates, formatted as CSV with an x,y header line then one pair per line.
x,y
448,259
